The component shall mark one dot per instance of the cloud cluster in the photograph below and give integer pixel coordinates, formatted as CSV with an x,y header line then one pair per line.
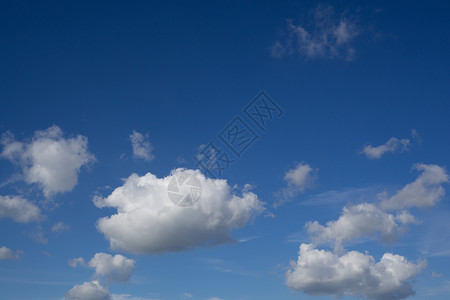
x,y
92,290
141,146
115,268
49,159
8,254
19,209
356,274
319,272
148,222
328,37
368,219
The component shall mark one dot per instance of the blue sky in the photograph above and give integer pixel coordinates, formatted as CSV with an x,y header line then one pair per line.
x,y
340,194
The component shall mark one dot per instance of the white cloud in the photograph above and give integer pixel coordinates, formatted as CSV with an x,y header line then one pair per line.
x,y
49,159
88,291
320,272
424,192
141,146
8,254
74,262
115,268
356,221
298,179
60,227
329,36
393,145
19,209
148,222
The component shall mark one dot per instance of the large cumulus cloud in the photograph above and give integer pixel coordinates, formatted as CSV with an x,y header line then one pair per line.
x,y
147,221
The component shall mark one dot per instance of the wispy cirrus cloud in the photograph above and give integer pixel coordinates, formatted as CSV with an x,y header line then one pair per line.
x,y
329,36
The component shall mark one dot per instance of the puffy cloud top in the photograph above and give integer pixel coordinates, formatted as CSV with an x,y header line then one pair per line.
x,y
115,268
359,220
88,291
319,272
147,221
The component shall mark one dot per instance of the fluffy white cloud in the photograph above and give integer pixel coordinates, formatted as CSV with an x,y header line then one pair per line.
x,y
356,221
148,222
115,268
320,272
19,209
60,227
298,179
88,291
141,146
329,37
49,159
393,145
8,254
424,192
301,177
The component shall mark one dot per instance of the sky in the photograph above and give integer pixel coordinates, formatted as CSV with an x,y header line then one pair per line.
x,y
224,150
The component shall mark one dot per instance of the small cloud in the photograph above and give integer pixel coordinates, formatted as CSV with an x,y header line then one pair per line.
x,y
48,159
60,227
19,209
115,268
424,192
298,179
393,145
8,254
142,148
75,262
436,275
